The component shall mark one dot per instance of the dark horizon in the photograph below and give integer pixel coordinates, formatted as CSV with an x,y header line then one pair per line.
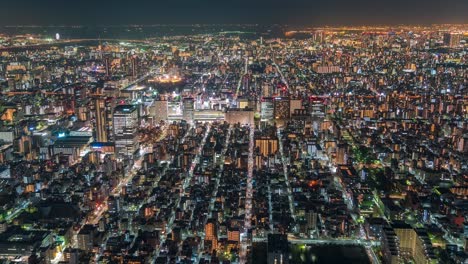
x,y
330,25
180,12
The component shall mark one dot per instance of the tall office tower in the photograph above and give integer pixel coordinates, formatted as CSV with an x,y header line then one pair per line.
x,y
267,109
267,145
188,109
125,130
110,104
452,39
414,243
134,66
311,218
101,120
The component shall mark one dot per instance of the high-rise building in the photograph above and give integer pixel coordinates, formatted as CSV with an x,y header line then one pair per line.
x,y
452,39
414,244
125,123
101,120
311,218
211,232
267,145
107,65
390,245
134,67
267,109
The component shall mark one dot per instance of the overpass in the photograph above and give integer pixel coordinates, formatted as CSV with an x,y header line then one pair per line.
x,y
324,241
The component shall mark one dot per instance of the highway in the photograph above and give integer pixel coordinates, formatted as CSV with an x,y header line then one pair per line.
x,y
286,174
239,84
371,254
281,74
17,211
345,241
140,79
270,208
245,243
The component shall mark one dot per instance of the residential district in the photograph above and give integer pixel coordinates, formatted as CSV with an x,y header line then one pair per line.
x,y
324,145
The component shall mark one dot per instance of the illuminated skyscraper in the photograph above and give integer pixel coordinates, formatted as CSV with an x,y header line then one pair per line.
x,y
413,244
134,66
267,145
311,218
452,39
107,62
125,130
267,109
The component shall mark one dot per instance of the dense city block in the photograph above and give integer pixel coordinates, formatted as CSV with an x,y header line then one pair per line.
x,y
239,145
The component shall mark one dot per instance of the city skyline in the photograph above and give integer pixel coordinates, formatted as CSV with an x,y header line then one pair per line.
x,y
243,132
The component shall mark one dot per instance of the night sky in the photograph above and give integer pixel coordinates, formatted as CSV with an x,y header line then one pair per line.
x,y
298,12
